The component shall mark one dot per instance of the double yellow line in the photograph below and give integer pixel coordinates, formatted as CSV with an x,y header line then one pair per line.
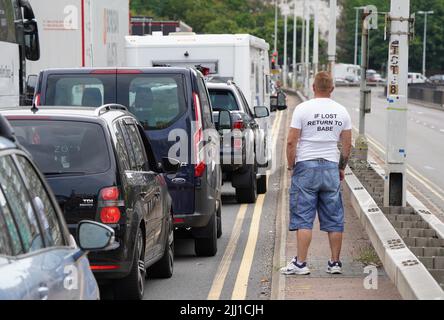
x,y
241,284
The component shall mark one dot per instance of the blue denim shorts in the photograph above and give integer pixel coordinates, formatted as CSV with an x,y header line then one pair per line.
x,y
316,187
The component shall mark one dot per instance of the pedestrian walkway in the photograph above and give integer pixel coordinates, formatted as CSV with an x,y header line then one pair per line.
x,y
349,286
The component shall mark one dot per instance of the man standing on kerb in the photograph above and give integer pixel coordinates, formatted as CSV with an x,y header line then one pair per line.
x,y
318,169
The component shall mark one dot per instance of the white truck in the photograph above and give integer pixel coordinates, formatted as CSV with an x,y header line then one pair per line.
x,y
241,58
81,33
347,74
19,42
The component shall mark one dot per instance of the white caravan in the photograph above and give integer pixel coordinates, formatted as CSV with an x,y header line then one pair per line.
x,y
241,58
81,33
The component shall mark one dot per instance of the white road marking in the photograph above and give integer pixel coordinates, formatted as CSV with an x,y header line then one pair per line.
x,y
429,168
441,130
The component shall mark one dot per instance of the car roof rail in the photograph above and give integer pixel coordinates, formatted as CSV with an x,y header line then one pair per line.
x,y
110,107
6,130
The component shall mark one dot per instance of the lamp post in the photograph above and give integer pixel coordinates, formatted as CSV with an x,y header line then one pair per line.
x,y
356,34
295,35
316,38
425,13
285,13
276,25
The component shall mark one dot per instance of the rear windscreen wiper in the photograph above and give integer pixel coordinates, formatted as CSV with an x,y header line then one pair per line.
x,y
62,173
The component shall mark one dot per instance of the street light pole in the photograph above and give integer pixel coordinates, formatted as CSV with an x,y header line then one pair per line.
x,y
356,34
316,37
276,25
285,12
295,35
332,37
425,13
397,109
307,49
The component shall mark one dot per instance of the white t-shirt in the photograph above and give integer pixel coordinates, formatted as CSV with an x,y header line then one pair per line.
x,y
321,121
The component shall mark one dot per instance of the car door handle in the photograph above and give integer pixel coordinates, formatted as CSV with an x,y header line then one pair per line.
x,y
43,292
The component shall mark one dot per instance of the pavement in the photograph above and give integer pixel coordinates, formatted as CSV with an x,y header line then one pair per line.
x,y
319,285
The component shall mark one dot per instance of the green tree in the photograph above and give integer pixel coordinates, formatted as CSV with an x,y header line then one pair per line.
x,y
379,47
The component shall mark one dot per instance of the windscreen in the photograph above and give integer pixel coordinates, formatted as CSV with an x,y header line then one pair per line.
x,y
80,90
64,147
223,100
157,101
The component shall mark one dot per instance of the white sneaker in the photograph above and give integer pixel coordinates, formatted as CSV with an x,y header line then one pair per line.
x,y
334,267
295,268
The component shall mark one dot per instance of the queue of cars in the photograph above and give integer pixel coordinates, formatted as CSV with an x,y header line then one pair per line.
x,y
110,143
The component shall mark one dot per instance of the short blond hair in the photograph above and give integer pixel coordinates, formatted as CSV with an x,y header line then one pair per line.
x,y
323,82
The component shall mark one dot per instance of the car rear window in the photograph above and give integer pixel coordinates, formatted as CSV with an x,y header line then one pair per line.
x,y
156,100
80,90
64,147
223,100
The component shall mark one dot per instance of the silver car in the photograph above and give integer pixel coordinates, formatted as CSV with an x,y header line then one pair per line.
x,y
39,260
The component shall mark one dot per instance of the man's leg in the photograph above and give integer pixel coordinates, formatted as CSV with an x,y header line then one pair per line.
x,y
335,245
304,239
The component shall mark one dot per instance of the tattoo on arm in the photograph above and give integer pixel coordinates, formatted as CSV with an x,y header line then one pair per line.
x,y
343,162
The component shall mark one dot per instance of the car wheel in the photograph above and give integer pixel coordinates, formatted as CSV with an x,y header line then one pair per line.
x,y
207,246
132,287
165,266
219,221
262,185
248,195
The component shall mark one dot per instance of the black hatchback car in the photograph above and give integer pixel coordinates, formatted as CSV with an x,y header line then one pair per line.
x,y
100,166
174,108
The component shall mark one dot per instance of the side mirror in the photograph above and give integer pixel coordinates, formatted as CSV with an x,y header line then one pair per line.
x,y
94,236
273,103
170,165
282,101
31,85
225,121
261,112
32,42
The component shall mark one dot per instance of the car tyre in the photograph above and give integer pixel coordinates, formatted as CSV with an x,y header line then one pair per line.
x,y
207,246
262,184
132,287
219,221
164,268
248,195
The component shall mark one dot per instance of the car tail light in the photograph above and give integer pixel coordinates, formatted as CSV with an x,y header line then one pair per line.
x,y
178,220
110,215
37,100
239,125
109,205
110,194
199,164
109,267
200,169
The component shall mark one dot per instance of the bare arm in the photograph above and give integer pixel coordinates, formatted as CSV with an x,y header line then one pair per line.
x,y
292,142
346,141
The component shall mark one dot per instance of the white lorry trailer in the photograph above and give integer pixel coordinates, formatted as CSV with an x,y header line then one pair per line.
x,y
19,42
241,58
81,33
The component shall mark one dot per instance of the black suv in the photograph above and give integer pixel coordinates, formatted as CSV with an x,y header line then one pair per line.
x,y
174,108
100,166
